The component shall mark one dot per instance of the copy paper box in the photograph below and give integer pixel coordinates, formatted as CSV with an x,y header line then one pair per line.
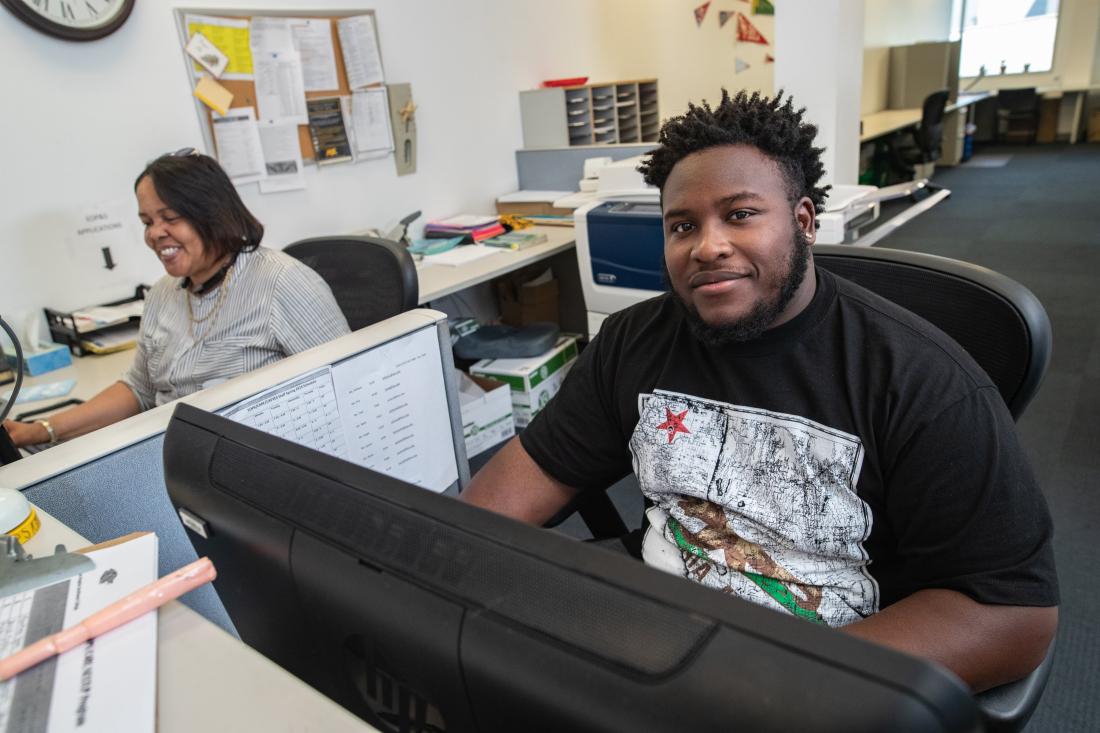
x,y
532,380
486,419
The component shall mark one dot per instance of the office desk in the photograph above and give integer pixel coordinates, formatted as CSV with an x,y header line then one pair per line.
x,y
1080,94
883,123
209,681
92,374
436,281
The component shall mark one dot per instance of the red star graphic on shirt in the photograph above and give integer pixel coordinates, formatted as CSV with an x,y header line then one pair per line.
x,y
674,423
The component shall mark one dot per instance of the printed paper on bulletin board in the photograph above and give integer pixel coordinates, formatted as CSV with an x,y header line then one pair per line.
x,y
240,82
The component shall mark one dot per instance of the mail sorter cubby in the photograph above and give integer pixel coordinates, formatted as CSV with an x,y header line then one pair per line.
x,y
593,114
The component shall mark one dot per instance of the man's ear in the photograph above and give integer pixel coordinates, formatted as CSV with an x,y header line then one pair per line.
x,y
805,214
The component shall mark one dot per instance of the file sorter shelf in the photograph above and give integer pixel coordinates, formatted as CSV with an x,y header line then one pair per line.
x,y
592,114
63,326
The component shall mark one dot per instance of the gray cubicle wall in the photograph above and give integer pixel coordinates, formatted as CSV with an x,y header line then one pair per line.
x,y
124,492
559,169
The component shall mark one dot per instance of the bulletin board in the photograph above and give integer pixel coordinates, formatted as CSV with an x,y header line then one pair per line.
x,y
244,91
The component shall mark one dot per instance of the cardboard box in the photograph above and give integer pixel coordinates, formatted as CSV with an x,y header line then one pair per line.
x,y
1094,126
532,380
44,358
522,303
486,413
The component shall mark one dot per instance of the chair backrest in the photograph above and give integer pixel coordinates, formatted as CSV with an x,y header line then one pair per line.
x,y
371,279
999,322
1023,99
930,132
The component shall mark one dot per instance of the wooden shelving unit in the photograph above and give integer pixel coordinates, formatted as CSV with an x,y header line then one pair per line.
x,y
593,114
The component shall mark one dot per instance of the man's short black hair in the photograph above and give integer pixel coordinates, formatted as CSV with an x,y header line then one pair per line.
x,y
773,126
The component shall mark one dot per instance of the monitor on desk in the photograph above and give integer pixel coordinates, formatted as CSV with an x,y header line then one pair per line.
x,y
418,612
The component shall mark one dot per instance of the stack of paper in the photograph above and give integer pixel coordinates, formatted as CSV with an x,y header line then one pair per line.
x,y
473,226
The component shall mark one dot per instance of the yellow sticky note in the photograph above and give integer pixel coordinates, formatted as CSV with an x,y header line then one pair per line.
x,y
213,95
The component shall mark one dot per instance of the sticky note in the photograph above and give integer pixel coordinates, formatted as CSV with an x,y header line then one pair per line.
x,y
213,95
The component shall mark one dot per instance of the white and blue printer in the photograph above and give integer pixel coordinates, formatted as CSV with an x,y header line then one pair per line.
x,y
620,240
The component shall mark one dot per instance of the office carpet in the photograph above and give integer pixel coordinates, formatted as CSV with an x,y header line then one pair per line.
x,y
1037,220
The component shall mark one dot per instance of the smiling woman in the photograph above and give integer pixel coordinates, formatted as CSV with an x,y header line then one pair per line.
x,y
226,305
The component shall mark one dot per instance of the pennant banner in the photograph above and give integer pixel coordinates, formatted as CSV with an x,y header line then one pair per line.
x,y
740,66
747,32
701,12
762,7
724,15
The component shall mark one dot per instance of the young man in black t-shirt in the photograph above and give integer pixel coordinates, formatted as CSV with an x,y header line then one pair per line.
x,y
806,444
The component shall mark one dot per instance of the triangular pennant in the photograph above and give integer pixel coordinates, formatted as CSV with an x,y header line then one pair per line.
x,y
701,12
762,7
739,66
724,15
746,31
769,59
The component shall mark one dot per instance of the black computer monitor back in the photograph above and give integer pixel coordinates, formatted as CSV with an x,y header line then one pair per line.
x,y
418,612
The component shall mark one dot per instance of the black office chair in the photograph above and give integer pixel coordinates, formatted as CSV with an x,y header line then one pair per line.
x,y
999,322
372,279
911,148
1017,115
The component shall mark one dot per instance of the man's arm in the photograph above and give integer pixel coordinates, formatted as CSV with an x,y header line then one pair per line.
x,y
514,485
985,645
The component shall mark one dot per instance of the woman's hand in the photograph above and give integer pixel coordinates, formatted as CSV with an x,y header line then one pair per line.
x,y
26,433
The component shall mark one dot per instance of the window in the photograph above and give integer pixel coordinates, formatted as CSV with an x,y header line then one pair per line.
x,y
1005,36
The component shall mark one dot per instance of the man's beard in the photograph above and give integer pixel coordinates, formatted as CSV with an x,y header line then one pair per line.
x,y
756,321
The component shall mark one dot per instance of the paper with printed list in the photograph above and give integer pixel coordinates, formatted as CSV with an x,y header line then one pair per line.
x,y
106,684
370,114
385,409
280,93
237,139
310,37
362,60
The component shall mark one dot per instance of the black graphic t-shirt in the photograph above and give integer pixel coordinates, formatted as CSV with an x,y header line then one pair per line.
x,y
840,462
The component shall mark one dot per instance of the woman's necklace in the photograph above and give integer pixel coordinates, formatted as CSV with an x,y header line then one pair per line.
x,y
223,289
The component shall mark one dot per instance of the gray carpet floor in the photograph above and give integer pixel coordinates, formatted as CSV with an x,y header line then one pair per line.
x,y
1037,220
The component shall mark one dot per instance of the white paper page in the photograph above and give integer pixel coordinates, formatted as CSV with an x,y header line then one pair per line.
x,y
393,405
463,254
282,157
270,34
304,411
359,44
279,91
238,142
104,243
313,41
105,684
385,409
370,114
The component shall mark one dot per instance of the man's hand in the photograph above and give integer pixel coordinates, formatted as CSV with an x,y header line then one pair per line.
x,y
985,645
26,433
514,485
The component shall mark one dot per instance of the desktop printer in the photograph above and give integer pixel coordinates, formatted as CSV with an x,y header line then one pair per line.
x,y
620,239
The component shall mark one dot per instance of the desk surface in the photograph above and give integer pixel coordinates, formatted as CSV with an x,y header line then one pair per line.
x,y
891,120
207,680
435,281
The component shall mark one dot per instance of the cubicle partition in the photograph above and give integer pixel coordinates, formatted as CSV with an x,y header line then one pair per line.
x,y
111,482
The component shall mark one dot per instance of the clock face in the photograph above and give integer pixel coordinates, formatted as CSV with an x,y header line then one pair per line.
x,y
73,20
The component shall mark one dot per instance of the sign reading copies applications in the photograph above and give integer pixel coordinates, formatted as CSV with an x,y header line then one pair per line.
x,y
533,380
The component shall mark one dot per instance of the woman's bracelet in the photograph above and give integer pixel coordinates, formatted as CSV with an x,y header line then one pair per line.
x,y
49,430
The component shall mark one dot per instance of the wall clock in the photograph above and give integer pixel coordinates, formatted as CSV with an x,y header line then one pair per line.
x,y
73,20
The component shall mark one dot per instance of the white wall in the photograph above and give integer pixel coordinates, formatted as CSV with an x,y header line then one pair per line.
x,y
902,22
81,120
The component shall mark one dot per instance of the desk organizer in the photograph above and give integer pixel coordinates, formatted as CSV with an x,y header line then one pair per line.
x,y
63,326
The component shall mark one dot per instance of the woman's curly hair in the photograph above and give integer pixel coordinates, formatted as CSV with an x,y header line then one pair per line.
x,y
773,126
